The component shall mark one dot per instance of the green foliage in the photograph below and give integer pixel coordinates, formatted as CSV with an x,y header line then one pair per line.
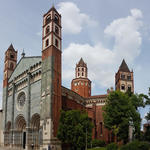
x,y
147,117
74,127
146,97
120,111
98,143
100,148
136,145
112,146
144,146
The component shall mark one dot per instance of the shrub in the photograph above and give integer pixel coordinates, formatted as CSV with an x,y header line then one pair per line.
x,y
131,146
136,145
98,143
144,146
112,146
124,147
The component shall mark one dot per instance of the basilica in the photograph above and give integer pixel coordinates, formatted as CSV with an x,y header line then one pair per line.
x,y
33,95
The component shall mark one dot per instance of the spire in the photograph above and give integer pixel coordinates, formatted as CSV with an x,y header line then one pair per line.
x,y
23,53
81,63
52,9
124,67
11,47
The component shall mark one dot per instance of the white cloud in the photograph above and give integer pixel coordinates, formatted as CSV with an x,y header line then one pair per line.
x,y
96,57
127,35
73,20
136,13
103,62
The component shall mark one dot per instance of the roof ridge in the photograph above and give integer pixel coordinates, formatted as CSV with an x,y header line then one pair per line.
x,y
32,57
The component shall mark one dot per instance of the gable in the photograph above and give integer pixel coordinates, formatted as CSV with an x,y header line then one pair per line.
x,y
24,64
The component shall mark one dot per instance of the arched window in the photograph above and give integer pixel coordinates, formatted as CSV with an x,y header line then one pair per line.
x,y
47,30
47,42
129,88
56,30
11,66
56,19
21,100
122,87
122,76
48,19
101,128
129,77
82,74
56,42
11,56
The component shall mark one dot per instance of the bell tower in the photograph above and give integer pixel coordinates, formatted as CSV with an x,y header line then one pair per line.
x,y
9,66
51,79
51,30
10,63
81,84
124,78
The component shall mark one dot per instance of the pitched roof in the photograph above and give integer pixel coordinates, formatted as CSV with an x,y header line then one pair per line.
x,y
24,64
81,63
124,67
11,47
52,9
97,96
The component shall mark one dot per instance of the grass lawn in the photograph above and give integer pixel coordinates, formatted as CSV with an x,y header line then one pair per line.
x,y
102,148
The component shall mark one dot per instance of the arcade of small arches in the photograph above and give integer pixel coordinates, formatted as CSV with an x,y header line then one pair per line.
x,y
20,135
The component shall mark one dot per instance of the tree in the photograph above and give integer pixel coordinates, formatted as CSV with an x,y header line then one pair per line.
x,y
120,112
147,117
74,128
147,128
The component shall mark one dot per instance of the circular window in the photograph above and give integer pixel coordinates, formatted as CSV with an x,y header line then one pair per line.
x,y
21,100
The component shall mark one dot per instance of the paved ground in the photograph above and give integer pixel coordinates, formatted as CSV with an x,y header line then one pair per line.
x,y
2,148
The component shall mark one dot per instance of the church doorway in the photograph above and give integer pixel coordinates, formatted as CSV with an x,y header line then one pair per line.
x,y
20,132
24,140
35,127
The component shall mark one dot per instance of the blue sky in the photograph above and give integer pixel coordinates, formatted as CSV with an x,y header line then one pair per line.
x,y
103,32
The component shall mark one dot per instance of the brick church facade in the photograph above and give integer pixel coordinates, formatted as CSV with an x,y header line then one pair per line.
x,y
33,94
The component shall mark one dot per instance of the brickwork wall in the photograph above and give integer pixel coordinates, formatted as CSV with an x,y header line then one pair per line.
x,y
82,86
99,131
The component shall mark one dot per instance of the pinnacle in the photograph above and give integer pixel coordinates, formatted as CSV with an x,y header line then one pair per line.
x,y
52,9
11,47
124,67
81,63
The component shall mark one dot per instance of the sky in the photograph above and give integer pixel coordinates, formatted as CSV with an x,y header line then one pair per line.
x,y
102,32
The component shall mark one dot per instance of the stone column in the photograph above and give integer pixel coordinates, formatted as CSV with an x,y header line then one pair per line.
x,y
12,117
28,144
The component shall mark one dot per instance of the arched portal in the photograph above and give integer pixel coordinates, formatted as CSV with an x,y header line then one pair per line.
x,y
20,123
35,122
8,126
20,132
35,127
